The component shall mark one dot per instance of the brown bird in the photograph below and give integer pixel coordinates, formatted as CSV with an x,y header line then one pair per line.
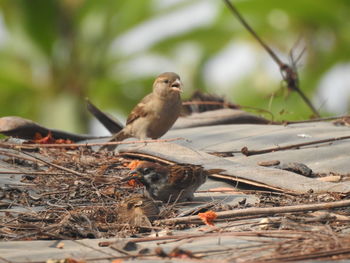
x,y
156,113
169,183
138,210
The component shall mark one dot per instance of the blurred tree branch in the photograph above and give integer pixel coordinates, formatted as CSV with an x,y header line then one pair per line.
x,y
289,72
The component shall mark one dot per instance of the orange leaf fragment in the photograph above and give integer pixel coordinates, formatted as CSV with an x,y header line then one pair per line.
x,y
38,138
208,217
63,141
49,139
133,164
181,253
133,183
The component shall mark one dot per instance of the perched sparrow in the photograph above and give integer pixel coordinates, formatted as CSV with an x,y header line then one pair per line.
x,y
169,183
156,112
138,210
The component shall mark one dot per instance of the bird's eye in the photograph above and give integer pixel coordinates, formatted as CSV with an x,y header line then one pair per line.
x,y
146,170
166,81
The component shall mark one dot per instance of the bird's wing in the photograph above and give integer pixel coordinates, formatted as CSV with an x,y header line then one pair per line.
x,y
184,175
139,110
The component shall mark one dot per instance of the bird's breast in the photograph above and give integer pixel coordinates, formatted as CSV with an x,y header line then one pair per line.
x,y
165,113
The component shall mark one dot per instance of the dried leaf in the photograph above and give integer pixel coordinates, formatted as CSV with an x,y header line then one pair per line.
x,y
63,141
208,217
48,139
39,139
60,245
133,164
133,183
160,252
105,243
181,253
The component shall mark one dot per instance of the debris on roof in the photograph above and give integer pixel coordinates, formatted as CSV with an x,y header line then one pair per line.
x,y
287,200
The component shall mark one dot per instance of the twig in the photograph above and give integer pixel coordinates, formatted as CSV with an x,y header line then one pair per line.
x,y
262,211
32,173
64,145
317,119
5,260
56,165
285,234
45,230
307,101
289,73
13,155
312,255
248,152
255,35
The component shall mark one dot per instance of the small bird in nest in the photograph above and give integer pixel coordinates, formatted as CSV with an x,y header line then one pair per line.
x,y
138,210
154,115
169,183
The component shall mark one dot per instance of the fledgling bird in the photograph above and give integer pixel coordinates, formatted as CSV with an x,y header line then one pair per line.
x,y
138,210
156,113
169,183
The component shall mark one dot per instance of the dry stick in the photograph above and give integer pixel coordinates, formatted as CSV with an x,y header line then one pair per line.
x,y
55,145
44,229
248,152
262,211
284,234
5,260
307,101
312,255
255,35
32,173
318,119
10,154
290,75
56,165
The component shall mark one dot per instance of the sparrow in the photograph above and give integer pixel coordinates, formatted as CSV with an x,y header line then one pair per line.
x,y
156,113
169,183
138,210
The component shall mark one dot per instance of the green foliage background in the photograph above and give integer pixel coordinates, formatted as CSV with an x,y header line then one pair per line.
x,y
58,52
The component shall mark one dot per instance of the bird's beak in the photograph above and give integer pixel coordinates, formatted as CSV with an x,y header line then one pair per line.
x,y
177,85
134,174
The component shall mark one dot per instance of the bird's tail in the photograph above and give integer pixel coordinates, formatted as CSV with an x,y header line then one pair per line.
x,y
115,138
